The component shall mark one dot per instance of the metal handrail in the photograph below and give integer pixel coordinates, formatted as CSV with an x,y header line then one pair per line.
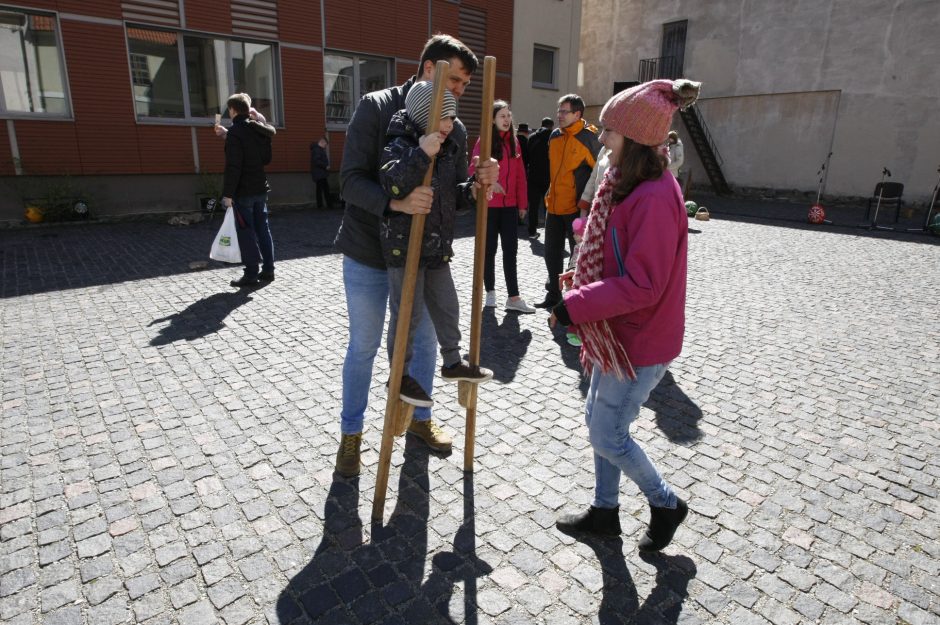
x,y
693,110
660,67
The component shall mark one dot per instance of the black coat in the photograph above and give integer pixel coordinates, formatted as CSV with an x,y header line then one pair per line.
x,y
404,165
366,201
538,172
319,162
247,151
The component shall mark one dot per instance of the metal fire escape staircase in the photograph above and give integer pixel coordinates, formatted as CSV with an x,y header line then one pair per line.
x,y
706,149
669,67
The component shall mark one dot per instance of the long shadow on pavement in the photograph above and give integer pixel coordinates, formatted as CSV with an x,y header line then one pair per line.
x,y
846,219
620,603
59,257
503,346
349,581
677,416
201,318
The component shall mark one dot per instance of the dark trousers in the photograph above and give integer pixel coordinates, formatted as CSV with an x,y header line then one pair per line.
x,y
557,229
536,206
502,223
323,193
254,233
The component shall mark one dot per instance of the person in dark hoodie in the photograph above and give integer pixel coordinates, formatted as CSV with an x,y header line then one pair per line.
x,y
245,186
406,158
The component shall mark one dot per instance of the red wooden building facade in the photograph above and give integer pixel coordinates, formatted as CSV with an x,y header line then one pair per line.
x,y
110,89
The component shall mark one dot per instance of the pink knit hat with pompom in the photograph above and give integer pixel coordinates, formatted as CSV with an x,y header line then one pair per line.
x,y
644,113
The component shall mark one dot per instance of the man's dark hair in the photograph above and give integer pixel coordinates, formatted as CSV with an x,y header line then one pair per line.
x,y
548,122
577,104
241,102
443,48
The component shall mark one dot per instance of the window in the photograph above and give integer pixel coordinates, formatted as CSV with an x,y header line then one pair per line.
x,y
348,77
32,79
544,67
162,62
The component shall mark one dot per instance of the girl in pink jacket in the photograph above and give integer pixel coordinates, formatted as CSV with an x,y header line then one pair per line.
x,y
627,303
509,204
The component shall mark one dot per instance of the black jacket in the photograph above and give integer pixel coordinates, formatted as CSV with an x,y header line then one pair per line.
x,y
319,162
247,151
538,172
404,165
366,201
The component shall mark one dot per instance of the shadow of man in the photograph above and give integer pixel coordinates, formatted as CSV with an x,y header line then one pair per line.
x,y
620,602
503,347
449,568
350,581
677,416
207,316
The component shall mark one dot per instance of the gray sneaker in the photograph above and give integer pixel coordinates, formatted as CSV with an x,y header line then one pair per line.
x,y
490,299
519,305
462,371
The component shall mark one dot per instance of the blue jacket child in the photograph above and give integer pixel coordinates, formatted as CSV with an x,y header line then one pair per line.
x,y
405,162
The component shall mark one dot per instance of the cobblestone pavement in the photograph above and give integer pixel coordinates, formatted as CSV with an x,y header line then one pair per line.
x,y
168,443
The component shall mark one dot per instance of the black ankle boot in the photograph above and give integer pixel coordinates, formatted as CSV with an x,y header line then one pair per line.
x,y
663,525
602,521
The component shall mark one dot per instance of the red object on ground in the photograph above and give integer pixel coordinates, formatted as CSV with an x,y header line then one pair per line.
x,y
817,214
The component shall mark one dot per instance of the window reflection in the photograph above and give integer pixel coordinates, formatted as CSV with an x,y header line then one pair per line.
x,y
31,76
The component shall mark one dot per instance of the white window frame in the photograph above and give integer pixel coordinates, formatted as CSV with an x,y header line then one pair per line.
x,y
60,49
356,96
188,119
555,56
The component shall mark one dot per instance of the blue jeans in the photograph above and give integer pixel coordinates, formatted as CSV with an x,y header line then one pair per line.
x,y
366,303
254,233
612,405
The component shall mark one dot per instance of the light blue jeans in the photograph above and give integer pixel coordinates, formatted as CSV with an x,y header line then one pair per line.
x,y
366,304
612,406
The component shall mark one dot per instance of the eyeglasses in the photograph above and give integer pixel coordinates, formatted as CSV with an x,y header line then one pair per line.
x,y
564,111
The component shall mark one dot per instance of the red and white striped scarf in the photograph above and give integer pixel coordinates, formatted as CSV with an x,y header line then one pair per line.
x,y
599,345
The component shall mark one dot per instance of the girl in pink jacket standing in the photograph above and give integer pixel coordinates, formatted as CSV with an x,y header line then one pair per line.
x,y
627,303
509,204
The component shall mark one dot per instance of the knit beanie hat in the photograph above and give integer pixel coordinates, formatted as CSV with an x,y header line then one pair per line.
x,y
644,113
418,104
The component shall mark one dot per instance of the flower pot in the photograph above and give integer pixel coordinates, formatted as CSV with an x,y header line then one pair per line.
x,y
33,214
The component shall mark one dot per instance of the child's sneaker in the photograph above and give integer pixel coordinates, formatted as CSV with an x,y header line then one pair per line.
x,y
463,371
412,393
573,339
490,299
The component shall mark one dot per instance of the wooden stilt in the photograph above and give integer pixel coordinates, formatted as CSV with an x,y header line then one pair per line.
x,y
468,391
397,416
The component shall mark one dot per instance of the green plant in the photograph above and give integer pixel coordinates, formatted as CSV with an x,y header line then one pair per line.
x,y
210,184
60,198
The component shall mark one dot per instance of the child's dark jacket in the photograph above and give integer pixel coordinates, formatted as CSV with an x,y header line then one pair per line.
x,y
403,167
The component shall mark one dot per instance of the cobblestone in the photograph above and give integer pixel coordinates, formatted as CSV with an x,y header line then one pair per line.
x,y
167,444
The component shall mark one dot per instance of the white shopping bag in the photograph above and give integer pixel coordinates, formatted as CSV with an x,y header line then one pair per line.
x,y
225,246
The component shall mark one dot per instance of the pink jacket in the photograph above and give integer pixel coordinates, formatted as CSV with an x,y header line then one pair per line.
x,y
511,176
642,291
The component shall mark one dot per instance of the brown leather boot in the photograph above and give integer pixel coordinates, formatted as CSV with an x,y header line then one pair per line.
x,y
347,458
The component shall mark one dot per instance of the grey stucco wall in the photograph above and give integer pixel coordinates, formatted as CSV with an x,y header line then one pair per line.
x,y
769,71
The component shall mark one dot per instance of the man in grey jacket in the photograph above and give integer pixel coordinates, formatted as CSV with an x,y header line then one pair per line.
x,y
364,275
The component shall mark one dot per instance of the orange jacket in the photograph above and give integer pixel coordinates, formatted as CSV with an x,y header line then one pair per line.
x,y
571,156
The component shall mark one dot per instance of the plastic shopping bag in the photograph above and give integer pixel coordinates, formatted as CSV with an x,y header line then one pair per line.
x,y
225,246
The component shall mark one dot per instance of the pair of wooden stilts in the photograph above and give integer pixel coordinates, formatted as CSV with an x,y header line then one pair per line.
x,y
397,413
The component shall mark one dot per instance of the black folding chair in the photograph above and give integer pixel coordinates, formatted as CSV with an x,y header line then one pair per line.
x,y
886,193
